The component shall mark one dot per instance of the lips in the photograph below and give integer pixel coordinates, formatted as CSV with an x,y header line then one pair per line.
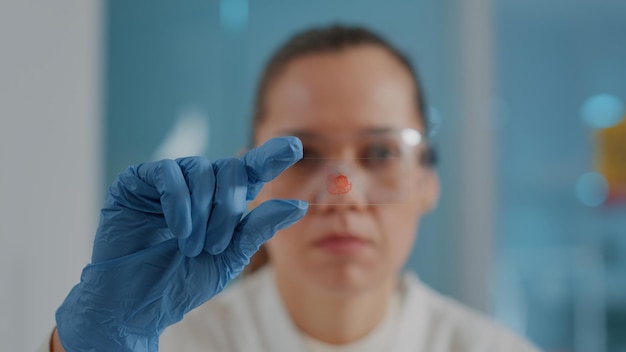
x,y
342,243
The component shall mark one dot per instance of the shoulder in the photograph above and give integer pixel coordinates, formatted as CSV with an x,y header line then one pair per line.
x,y
459,328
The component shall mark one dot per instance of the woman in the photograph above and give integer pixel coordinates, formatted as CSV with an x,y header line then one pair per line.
x,y
171,233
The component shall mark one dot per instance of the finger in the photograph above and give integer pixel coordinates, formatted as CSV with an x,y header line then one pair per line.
x,y
129,203
259,226
167,178
200,179
266,162
229,203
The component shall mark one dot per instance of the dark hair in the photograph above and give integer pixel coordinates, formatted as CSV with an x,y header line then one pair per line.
x,y
327,40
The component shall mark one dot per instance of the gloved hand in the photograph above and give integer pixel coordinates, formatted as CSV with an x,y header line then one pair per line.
x,y
171,237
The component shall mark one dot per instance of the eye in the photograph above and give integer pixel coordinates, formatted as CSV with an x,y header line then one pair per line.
x,y
381,151
380,155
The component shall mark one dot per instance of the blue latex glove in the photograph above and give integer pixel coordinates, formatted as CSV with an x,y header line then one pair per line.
x,y
171,237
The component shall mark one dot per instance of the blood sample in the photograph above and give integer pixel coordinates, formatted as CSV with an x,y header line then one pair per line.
x,y
337,184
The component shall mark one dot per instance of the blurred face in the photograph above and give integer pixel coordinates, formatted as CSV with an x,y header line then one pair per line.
x,y
332,100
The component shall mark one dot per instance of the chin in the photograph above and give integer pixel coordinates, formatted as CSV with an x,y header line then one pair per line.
x,y
347,278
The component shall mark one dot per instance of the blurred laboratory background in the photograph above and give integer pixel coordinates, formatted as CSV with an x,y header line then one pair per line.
x,y
528,101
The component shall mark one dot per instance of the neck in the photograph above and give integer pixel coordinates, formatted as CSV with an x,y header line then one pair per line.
x,y
335,318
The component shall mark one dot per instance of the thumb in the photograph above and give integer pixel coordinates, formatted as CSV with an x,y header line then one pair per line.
x,y
260,225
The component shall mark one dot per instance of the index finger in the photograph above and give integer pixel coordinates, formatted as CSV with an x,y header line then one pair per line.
x,y
266,162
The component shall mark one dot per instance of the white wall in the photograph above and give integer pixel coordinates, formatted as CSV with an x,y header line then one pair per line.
x,y
49,159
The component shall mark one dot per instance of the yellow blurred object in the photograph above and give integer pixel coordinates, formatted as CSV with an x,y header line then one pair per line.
x,y
611,159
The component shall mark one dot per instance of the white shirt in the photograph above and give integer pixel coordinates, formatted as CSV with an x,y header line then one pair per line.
x,y
377,340
249,316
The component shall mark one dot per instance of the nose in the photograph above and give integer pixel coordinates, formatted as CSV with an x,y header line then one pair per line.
x,y
344,187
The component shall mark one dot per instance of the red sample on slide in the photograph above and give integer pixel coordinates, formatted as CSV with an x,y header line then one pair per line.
x,y
338,184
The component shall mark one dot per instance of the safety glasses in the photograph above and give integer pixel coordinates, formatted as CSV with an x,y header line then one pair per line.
x,y
377,166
